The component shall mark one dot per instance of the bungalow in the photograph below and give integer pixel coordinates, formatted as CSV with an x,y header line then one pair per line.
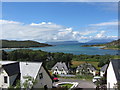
x,y
113,73
60,68
103,70
86,68
11,72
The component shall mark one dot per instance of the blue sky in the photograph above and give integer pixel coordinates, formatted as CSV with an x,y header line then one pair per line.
x,y
81,21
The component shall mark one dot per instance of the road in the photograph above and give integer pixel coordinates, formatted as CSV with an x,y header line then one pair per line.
x,y
82,83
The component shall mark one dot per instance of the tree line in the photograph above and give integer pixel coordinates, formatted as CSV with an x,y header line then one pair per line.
x,y
49,59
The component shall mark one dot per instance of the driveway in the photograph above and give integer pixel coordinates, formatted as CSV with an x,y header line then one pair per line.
x,y
82,83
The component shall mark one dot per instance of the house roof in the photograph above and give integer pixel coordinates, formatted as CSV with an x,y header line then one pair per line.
x,y
6,62
116,67
29,69
12,68
60,65
104,68
88,65
22,68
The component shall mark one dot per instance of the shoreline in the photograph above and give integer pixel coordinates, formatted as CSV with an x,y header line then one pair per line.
x,y
102,47
26,47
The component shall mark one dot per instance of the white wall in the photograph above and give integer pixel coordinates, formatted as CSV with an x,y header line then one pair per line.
x,y
59,71
93,72
102,73
46,80
2,74
111,78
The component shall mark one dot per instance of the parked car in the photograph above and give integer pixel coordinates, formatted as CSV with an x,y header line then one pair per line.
x,y
96,78
55,79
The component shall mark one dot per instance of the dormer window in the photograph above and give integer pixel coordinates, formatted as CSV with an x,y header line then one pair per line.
x,y
40,75
5,79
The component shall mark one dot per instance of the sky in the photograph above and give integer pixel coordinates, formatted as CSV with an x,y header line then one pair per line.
x,y
59,21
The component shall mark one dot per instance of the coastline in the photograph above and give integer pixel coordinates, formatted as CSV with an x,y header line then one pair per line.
x,y
26,47
102,47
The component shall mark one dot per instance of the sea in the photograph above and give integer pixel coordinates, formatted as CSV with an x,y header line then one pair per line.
x,y
75,49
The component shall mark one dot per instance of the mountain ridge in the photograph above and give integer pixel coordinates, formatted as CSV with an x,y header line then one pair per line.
x,y
21,44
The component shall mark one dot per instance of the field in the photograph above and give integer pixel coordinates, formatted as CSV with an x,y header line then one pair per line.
x,y
77,63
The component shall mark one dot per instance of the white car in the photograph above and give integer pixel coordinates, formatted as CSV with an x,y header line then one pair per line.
x,y
96,78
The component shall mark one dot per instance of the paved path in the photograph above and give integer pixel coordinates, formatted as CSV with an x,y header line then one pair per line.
x,y
82,83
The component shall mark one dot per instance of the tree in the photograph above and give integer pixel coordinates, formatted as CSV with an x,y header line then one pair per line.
x,y
29,82
117,86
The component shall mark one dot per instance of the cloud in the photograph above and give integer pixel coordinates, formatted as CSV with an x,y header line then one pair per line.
x,y
8,22
105,24
48,31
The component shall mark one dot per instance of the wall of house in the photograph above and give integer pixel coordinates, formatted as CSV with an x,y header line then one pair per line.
x,y
111,78
57,71
45,80
2,74
102,73
93,72
12,79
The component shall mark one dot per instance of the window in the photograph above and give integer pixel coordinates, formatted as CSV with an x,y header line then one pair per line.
x,y
40,75
5,79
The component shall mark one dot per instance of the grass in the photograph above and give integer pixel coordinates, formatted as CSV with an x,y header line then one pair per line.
x,y
77,63
66,85
117,57
86,77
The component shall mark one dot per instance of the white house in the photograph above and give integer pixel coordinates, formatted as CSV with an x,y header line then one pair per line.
x,y
103,70
113,73
60,68
11,71
86,68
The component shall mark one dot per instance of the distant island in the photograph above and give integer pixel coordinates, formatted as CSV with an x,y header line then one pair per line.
x,y
63,42
114,45
21,44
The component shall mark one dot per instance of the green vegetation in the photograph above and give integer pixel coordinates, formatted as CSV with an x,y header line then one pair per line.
x,y
21,44
28,83
66,85
100,60
49,59
86,77
112,45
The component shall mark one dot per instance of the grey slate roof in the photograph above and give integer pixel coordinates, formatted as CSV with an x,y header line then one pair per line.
x,y
104,68
60,65
12,68
88,65
116,67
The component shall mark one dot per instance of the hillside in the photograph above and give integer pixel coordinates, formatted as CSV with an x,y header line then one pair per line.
x,y
100,41
21,44
111,45
62,42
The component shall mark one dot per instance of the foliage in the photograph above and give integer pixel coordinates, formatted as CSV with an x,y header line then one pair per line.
x,y
117,86
21,44
29,82
87,77
66,85
111,45
50,59
102,59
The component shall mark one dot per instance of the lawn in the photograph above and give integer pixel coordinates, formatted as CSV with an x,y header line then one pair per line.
x,y
77,63
66,85
117,57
